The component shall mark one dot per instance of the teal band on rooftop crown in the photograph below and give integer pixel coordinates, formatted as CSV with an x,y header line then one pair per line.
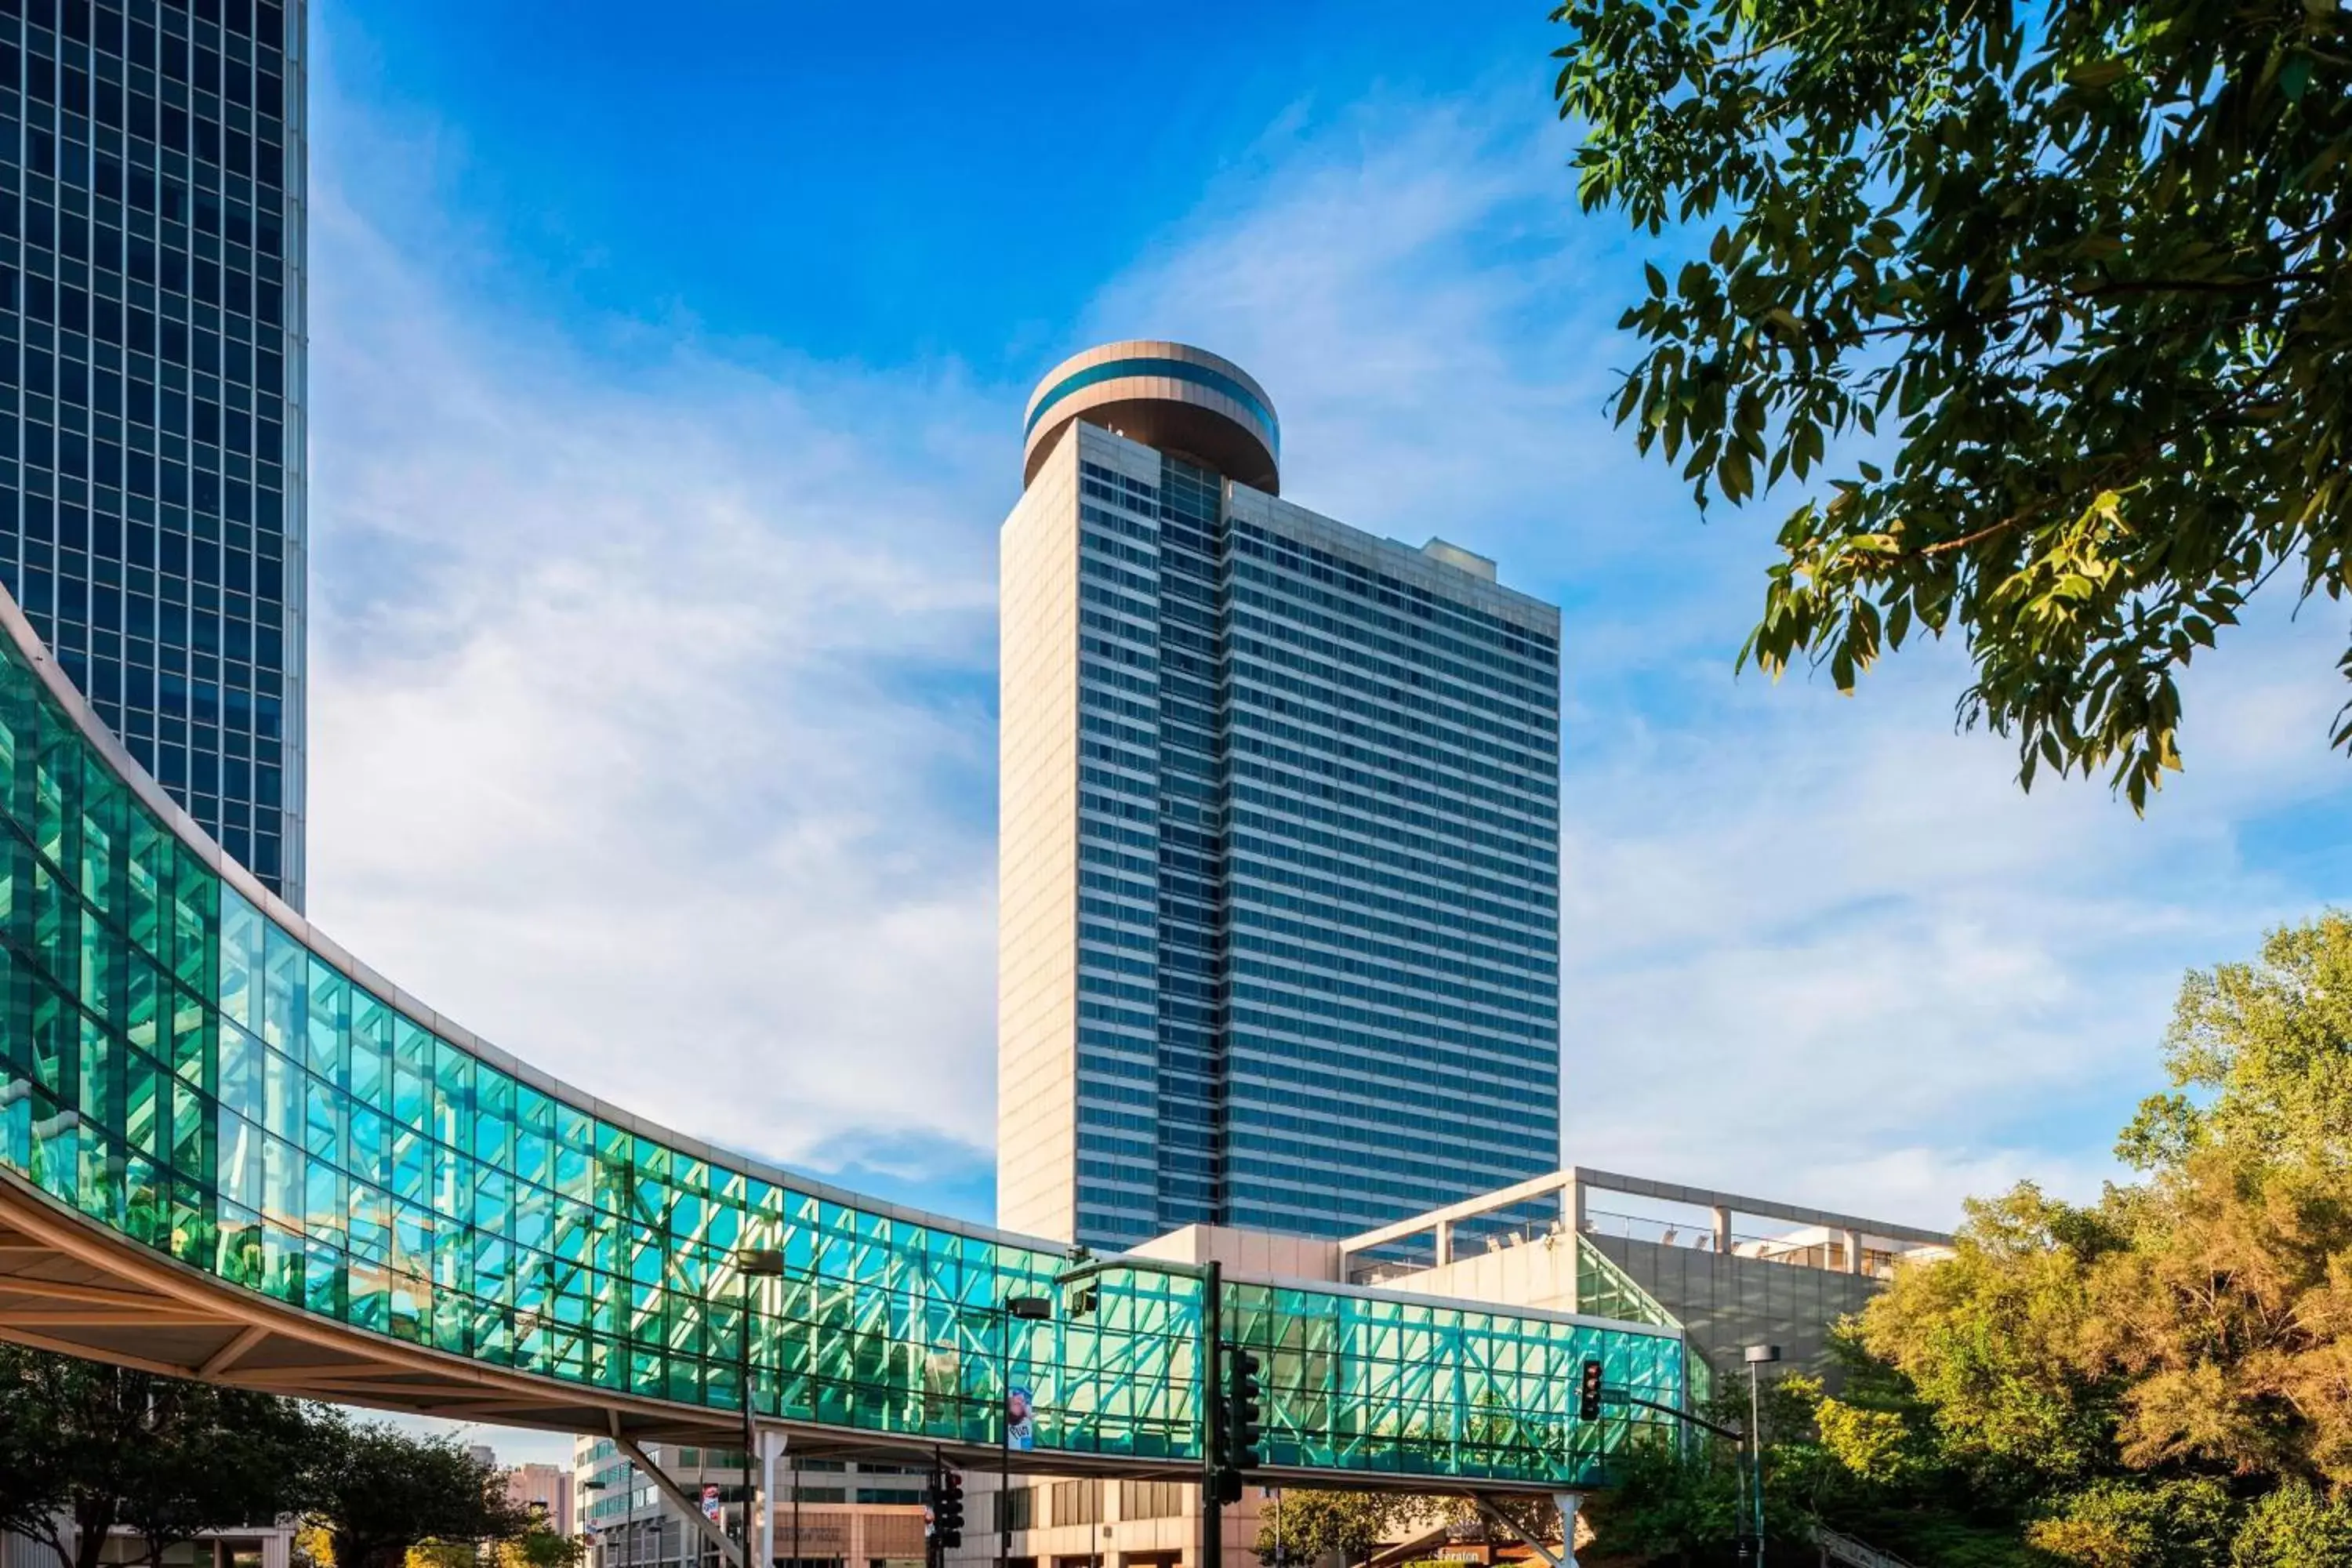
x,y
1175,370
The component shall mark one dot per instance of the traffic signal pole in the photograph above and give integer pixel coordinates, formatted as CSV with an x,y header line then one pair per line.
x,y
1213,1430
943,1511
1591,1395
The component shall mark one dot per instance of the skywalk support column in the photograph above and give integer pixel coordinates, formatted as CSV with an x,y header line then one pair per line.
x,y
764,1538
1568,1503
1565,1501
730,1550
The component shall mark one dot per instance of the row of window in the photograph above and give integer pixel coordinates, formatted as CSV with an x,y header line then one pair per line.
x,y
258,24
1285,761
1272,864
1421,662
89,76
1354,580
1345,641
1363,816
1424,1109
190,360
1378,1190
1306,972
170,537
1325,665
1527,877
1270,1042
1357,1051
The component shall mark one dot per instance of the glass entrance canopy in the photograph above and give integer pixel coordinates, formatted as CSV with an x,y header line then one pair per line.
x,y
187,1067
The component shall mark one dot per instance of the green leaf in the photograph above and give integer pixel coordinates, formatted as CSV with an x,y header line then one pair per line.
x,y
2100,73
2295,76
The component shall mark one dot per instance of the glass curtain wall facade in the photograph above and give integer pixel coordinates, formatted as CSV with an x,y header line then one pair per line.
x,y
151,361
186,1069
1314,925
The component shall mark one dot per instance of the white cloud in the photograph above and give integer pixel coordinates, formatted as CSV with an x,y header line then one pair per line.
x,y
652,730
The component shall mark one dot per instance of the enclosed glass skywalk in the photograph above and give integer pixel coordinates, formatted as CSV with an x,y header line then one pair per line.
x,y
186,1067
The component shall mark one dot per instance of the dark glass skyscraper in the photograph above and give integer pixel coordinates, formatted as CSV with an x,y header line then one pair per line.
x,y
1280,942
151,360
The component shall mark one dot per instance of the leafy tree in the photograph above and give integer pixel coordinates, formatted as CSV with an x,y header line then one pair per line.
x,y
2081,268
88,1447
2157,1380
435,1553
1530,1518
383,1493
539,1547
1992,1341
1308,1524
1668,1504
2266,1049
2229,1319
2182,1523
2294,1527
239,1458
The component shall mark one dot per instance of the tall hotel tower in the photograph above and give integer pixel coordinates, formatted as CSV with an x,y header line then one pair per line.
x,y
151,384
1278,944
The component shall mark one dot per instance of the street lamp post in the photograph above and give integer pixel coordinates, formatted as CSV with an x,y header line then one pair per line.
x,y
1757,1356
603,1557
753,1263
1030,1309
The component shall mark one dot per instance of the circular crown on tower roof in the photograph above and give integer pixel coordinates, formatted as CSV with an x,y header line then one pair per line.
x,y
1168,395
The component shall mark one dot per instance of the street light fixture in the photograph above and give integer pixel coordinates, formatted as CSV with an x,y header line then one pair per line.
x,y
1757,1356
1029,1309
752,1263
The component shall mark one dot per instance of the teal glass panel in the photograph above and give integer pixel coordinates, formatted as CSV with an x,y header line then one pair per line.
x,y
177,1066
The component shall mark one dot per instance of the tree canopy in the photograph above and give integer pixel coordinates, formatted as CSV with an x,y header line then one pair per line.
x,y
85,1448
383,1493
2261,1057
2163,1378
2076,272
1306,1525
2159,1379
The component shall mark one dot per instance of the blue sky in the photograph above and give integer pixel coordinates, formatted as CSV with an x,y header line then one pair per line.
x,y
667,397
883,185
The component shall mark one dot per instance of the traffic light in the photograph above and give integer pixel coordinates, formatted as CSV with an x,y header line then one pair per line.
x,y
1587,1394
946,1508
1227,1486
1241,1411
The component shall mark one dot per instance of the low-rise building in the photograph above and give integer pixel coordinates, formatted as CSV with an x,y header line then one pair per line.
x,y
247,1546
546,1490
1728,1270
828,1513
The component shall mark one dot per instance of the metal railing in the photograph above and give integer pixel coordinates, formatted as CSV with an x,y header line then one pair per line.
x,y
1847,1553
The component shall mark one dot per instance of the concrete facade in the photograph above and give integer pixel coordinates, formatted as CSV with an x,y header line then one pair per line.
x,y
547,1490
